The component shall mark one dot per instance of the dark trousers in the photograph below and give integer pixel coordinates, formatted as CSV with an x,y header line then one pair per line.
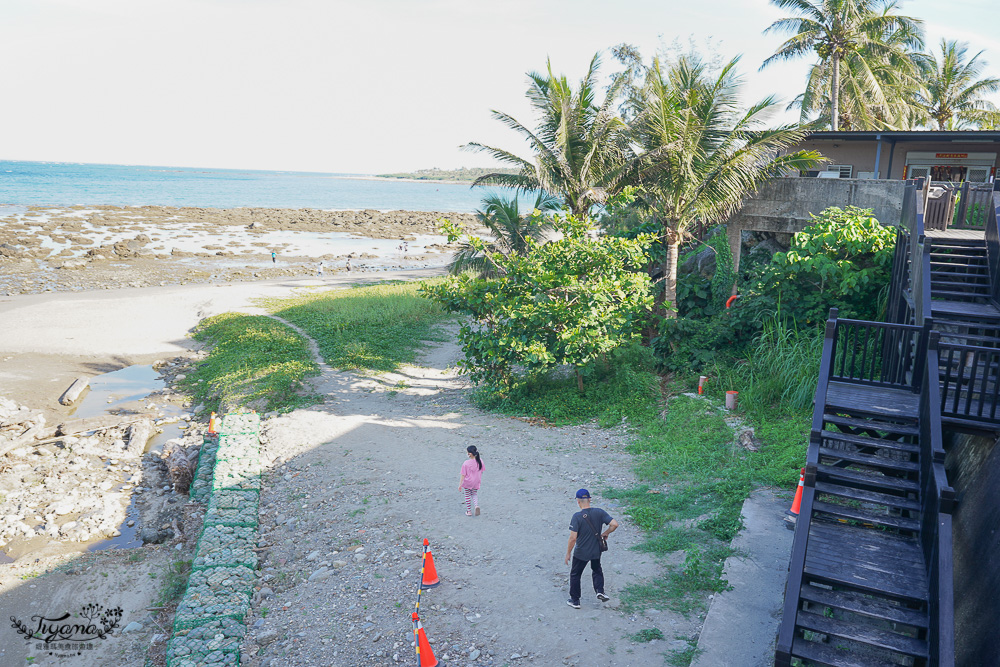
x,y
576,571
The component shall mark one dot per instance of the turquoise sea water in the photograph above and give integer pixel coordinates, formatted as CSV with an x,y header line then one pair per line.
x,y
68,184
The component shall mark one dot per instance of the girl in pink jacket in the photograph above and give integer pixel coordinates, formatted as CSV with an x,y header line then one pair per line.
x,y
470,477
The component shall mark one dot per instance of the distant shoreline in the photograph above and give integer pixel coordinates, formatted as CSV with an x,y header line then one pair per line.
x,y
404,180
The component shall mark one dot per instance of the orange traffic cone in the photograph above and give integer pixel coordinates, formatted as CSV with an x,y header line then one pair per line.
x,y
213,427
425,655
797,503
429,575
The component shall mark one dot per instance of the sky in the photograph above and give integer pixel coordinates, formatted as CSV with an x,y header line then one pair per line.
x,y
348,86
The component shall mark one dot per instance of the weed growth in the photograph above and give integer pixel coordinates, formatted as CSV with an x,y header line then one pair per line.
x,y
376,327
255,362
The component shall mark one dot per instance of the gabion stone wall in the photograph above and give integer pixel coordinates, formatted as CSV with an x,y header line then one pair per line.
x,y
209,623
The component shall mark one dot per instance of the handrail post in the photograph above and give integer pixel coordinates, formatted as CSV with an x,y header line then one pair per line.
x,y
920,354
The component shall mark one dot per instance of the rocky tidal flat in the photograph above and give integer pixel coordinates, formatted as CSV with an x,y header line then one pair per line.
x,y
100,247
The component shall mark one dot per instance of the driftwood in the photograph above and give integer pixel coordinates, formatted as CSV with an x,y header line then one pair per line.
x,y
97,423
75,390
139,434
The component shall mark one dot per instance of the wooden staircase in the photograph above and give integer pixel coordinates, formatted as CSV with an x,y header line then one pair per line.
x,y
868,590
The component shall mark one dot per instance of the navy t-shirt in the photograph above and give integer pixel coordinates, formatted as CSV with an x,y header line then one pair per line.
x,y
587,547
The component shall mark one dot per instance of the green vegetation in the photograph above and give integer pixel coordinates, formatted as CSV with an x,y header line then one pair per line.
x,y
954,95
510,230
462,175
173,583
568,301
647,635
374,328
843,260
255,361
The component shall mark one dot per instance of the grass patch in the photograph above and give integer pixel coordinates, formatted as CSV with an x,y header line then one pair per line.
x,y
375,327
174,583
255,362
622,386
647,635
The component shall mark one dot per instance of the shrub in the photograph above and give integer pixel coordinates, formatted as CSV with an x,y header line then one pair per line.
x,y
843,260
566,302
691,344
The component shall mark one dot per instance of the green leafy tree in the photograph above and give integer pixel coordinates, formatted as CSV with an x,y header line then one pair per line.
x,y
703,154
579,144
843,260
953,94
865,67
567,301
510,230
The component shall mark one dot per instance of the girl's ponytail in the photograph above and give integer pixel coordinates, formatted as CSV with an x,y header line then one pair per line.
x,y
475,452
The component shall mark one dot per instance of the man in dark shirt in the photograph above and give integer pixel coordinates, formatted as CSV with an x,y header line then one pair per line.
x,y
583,530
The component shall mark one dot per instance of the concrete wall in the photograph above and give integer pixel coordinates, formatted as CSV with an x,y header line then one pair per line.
x,y
784,205
973,465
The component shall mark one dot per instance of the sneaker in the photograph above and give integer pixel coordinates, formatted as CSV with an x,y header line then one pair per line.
x,y
602,597
477,511
573,603
468,514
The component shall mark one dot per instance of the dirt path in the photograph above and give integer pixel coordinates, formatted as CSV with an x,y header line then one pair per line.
x,y
377,468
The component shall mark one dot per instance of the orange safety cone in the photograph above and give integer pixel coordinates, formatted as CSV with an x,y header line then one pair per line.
x,y
797,503
425,655
702,379
428,573
213,425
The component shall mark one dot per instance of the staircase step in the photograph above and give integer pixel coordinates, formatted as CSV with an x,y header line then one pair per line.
x,y
977,338
865,441
867,480
869,460
864,605
964,244
944,275
863,634
983,283
824,654
970,257
866,516
973,267
872,424
864,496
957,296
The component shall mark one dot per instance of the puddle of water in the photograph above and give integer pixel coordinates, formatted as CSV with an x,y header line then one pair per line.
x,y
130,537
114,390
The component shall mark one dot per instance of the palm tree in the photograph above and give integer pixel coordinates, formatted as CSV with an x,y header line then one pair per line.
x,y
862,39
509,228
703,154
953,94
579,146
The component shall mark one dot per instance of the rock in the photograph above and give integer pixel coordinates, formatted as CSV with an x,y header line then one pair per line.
x,y
75,390
339,563
266,637
132,627
152,535
378,636
320,574
313,556
266,593
474,655
360,557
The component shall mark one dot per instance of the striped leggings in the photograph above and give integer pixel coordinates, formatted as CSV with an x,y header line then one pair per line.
x,y
471,499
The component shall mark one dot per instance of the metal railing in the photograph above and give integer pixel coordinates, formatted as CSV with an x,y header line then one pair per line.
x,y
968,379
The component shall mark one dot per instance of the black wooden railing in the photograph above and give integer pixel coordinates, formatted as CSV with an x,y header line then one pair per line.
x,y
937,503
877,353
968,380
993,246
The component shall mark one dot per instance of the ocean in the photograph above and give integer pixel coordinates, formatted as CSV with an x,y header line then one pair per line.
x,y
68,184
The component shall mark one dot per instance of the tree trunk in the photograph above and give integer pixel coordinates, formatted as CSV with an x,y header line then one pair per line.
x,y
670,277
835,95
579,379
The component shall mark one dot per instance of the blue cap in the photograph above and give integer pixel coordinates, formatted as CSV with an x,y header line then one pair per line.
x,y
583,493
